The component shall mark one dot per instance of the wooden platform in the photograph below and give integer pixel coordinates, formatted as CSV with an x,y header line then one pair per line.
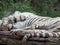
x,y
6,41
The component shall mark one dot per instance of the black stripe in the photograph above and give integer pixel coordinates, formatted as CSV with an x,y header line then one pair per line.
x,y
30,20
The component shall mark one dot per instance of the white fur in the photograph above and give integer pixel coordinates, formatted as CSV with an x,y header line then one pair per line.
x,y
10,26
5,20
17,15
19,25
28,15
56,35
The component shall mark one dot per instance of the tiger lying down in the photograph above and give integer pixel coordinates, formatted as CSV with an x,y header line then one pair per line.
x,y
28,25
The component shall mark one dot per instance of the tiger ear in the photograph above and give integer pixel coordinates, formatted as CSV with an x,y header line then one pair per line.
x,y
11,19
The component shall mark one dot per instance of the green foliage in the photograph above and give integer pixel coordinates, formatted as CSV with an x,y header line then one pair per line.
x,y
39,7
7,8
47,7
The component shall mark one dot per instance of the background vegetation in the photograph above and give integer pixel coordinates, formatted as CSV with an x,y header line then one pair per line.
x,y
39,7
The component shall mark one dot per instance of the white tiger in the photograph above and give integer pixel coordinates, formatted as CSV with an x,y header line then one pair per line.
x,y
26,20
33,21
39,22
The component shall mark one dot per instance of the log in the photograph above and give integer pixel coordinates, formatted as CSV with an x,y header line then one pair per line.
x,y
8,41
30,41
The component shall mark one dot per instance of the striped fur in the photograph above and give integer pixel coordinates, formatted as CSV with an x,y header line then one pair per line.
x,y
42,34
32,21
44,27
36,33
